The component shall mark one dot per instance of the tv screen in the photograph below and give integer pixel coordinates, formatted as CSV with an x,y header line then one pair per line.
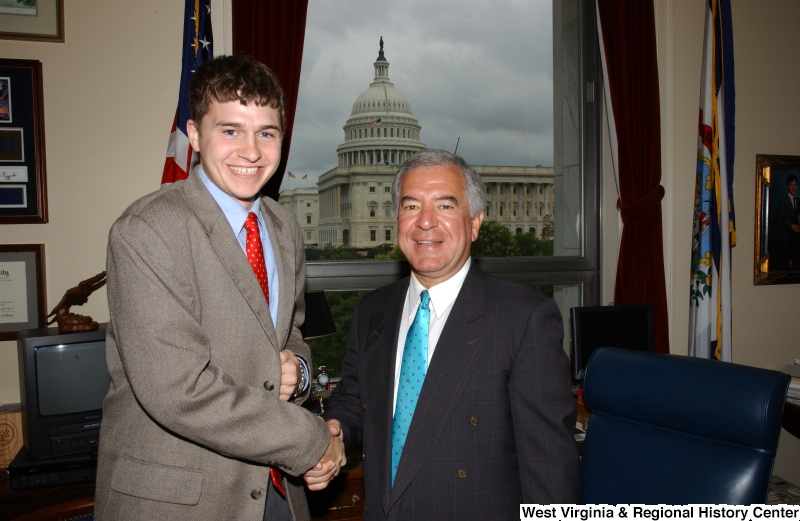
x,y
71,377
626,327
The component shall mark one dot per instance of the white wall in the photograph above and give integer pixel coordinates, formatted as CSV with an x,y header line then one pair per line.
x,y
110,94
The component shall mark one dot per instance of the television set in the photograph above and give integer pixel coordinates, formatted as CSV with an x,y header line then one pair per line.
x,y
626,327
63,381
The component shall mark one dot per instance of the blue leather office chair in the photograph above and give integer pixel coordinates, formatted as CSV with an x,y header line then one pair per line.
x,y
677,430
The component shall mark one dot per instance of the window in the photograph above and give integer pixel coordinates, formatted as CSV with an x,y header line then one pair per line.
x,y
387,189
388,235
308,235
372,189
570,63
308,219
308,205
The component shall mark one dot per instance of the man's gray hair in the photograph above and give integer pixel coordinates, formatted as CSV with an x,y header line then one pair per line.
x,y
476,193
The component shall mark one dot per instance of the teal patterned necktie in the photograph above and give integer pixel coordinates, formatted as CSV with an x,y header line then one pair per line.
x,y
412,374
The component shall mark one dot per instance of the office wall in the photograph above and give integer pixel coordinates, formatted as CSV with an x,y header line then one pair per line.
x,y
767,108
109,99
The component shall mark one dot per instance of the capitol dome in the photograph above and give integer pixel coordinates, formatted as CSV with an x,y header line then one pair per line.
x,y
382,128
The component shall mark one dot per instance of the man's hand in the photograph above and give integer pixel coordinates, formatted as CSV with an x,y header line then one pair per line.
x,y
796,228
290,374
331,462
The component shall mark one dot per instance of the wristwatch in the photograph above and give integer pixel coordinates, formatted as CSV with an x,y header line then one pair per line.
x,y
301,384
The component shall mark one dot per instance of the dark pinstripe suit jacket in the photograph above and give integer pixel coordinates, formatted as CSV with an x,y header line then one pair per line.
x,y
495,419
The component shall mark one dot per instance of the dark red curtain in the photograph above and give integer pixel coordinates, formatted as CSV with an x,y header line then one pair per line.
x,y
629,43
272,31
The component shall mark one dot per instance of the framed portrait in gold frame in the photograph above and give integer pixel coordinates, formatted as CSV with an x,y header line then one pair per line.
x,y
777,237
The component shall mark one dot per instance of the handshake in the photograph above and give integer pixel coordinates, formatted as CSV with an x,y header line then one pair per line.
x,y
334,458
321,474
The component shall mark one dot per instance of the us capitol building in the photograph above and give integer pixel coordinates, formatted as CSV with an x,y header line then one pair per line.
x,y
352,205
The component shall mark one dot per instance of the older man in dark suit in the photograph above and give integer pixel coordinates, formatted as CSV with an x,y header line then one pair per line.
x,y
205,292
456,383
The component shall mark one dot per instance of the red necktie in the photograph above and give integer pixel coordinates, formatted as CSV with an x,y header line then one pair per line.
x,y
255,255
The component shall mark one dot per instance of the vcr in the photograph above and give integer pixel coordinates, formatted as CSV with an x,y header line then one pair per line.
x,y
25,473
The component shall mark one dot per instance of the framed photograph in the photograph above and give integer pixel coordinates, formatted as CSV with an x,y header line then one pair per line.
x,y
23,178
22,290
34,20
777,243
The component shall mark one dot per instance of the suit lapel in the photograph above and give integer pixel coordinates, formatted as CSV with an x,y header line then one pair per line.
x,y
458,350
284,249
381,354
229,251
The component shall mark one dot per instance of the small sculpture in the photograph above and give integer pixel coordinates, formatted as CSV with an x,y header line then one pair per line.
x,y
77,296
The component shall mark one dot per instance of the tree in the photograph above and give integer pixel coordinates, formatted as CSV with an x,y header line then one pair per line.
x,y
394,253
332,253
382,249
494,240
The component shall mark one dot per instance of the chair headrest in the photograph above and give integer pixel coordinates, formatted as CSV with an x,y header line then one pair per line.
x,y
718,400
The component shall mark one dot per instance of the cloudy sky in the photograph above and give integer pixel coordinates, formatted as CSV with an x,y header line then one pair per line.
x,y
476,69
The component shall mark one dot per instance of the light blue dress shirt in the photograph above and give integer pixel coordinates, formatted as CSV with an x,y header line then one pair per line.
x,y
237,215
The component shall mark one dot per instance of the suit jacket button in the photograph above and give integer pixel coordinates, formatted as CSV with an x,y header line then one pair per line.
x,y
255,494
462,473
473,421
364,406
269,385
366,510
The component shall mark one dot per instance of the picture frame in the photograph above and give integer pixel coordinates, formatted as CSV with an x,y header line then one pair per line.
x,y
42,22
777,220
22,289
23,169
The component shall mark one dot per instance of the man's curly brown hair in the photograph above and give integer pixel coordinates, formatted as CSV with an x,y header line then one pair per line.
x,y
231,78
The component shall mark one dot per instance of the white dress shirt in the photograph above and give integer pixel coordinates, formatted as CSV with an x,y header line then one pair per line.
x,y
442,298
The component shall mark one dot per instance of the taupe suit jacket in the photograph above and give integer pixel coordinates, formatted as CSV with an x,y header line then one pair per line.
x,y
495,419
191,421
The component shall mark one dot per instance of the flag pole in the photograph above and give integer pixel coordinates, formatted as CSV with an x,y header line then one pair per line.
x,y
457,142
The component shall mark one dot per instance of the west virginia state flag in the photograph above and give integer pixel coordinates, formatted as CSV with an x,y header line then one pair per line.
x,y
714,231
197,50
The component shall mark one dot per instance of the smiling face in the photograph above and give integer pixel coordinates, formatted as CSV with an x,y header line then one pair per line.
x,y
239,146
434,229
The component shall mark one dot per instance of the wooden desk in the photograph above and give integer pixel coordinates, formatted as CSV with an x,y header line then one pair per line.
x,y
791,418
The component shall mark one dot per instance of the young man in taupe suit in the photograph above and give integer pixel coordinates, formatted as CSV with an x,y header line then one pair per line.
x,y
455,382
205,291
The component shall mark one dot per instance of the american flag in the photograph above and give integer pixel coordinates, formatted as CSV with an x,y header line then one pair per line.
x,y
304,177
376,123
197,50
292,175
